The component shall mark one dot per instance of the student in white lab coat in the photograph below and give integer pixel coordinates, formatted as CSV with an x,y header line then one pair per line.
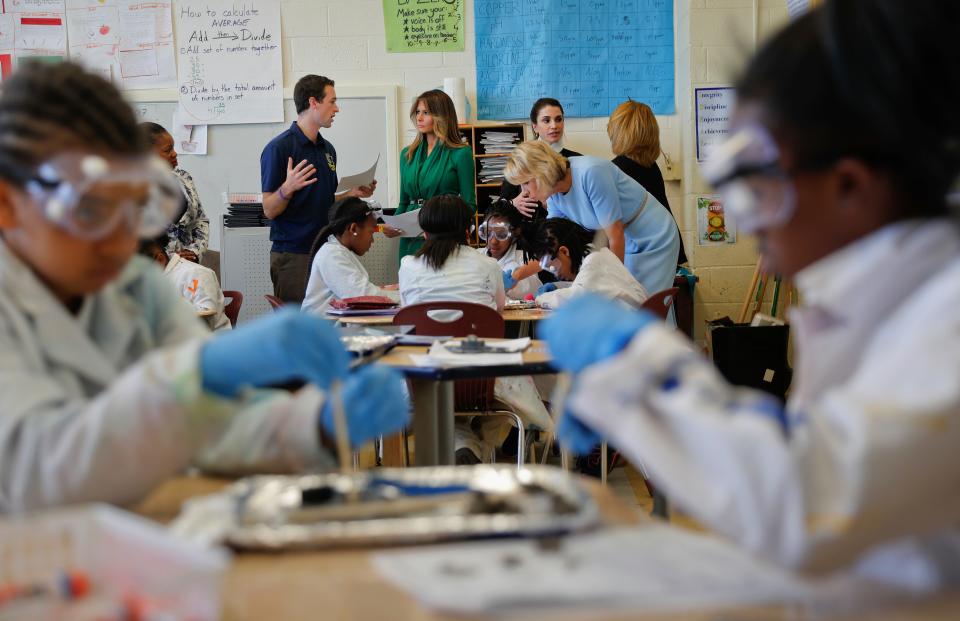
x,y
336,271
572,257
444,269
195,283
108,382
843,147
505,232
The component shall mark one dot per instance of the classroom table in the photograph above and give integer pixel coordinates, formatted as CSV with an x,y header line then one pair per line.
x,y
432,393
527,314
343,584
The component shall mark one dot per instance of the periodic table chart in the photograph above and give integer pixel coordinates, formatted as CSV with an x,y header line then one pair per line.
x,y
590,54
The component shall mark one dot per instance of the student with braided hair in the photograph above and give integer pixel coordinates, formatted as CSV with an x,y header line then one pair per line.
x,y
108,382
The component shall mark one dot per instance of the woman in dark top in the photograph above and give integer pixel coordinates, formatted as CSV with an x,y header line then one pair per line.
x,y
546,117
635,140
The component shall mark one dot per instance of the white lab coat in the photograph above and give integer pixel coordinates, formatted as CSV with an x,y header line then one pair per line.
x,y
511,260
868,473
467,276
337,273
604,274
198,285
104,405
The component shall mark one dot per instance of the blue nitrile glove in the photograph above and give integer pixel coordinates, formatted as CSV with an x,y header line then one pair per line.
x,y
282,347
590,328
576,436
508,280
548,287
374,402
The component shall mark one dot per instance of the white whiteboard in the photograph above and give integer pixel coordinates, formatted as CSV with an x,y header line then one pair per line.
x,y
365,127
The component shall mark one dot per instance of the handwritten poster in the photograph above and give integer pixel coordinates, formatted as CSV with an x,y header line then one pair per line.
x,y
93,28
39,29
590,54
6,45
228,61
714,107
423,25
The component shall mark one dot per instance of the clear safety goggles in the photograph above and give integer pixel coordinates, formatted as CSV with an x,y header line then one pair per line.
x,y
754,189
550,264
89,195
499,231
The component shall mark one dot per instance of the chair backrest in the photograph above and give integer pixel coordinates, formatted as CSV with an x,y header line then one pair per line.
x,y
232,309
660,302
274,301
465,318
458,319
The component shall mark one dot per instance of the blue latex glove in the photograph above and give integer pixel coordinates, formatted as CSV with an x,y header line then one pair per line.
x,y
576,436
508,280
546,288
590,328
374,402
285,346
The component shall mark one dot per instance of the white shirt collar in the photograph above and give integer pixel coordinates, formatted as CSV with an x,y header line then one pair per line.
x,y
556,146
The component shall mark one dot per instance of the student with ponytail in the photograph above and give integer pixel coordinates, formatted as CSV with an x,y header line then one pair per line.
x,y
336,271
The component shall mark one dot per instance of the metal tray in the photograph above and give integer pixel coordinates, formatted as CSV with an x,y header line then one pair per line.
x,y
406,506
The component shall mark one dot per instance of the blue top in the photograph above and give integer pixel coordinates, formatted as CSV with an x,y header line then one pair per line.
x,y
308,210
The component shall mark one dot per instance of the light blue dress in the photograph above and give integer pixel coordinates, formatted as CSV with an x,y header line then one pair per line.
x,y
601,195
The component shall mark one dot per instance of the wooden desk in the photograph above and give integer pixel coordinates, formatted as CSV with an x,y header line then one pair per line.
x,y
530,314
342,584
432,393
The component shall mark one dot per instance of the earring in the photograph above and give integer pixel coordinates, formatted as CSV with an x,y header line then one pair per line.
x,y
354,234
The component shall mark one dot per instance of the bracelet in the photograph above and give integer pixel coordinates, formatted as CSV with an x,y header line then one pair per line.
x,y
282,195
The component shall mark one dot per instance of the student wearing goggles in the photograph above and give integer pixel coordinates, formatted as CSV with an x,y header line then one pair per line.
x,y
503,230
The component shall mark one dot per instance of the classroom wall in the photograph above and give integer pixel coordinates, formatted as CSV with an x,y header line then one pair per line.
x,y
344,39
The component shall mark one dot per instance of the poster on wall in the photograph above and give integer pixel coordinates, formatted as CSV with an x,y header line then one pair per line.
x,y
39,31
229,68
592,55
715,227
713,109
423,25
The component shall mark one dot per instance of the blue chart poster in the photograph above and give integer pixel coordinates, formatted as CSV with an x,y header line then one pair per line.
x,y
590,54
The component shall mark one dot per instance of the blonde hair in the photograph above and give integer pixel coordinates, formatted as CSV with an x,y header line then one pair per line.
x,y
634,132
440,107
534,159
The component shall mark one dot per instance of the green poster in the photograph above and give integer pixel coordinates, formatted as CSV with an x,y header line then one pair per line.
x,y
423,25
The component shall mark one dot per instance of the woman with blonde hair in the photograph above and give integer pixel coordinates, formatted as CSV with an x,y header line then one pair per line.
x,y
597,195
438,161
635,141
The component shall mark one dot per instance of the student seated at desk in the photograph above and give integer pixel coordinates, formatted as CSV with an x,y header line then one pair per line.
x,y
195,283
572,257
336,271
108,382
445,268
507,242
846,189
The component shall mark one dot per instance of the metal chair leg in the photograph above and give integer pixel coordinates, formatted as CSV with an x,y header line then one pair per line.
x,y
603,463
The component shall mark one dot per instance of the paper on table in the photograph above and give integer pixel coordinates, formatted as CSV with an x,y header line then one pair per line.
x,y
360,179
650,568
440,356
407,222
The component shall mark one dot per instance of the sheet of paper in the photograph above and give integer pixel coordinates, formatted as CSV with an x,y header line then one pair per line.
x,y
649,569
6,45
188,139
146,51
40,34
93,32
407,222
355,181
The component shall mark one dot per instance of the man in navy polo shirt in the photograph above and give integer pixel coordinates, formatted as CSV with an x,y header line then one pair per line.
x,y
298,176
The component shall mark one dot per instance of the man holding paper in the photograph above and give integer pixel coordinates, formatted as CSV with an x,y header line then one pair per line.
x,y
298,177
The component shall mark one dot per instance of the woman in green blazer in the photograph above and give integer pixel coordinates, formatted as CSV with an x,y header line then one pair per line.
x,y
438,161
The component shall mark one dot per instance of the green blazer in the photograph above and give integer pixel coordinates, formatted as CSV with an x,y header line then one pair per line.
x,y
445,171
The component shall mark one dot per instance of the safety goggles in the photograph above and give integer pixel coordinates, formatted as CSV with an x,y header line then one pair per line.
x,y
499,231
746,171
550,264
89,195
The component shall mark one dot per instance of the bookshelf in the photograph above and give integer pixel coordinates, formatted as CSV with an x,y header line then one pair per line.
x,y
490,145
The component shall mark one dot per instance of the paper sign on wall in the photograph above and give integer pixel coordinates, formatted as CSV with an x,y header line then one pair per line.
x,y
423,25
39,29
715,227
714,107
229,68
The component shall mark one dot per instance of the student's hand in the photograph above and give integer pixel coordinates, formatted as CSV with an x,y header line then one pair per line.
x,y
364,191
508,281
283,347
546,288
589,329
575,435
525,204
391,232
374,402
189,255
298,177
